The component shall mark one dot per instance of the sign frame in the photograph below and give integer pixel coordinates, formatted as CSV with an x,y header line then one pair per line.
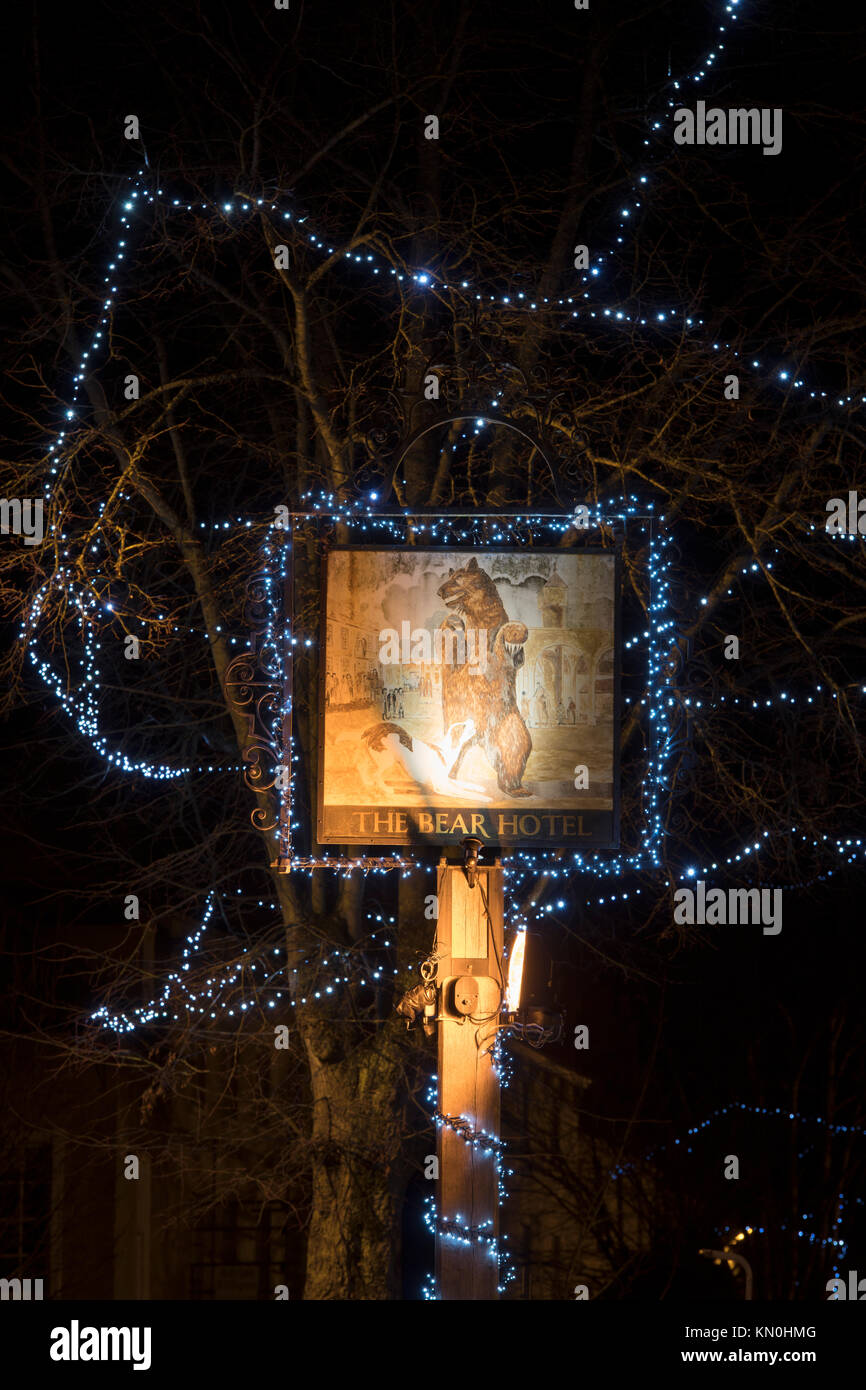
x,y
578,840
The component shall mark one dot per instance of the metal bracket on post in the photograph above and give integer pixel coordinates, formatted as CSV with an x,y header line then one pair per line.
x,y
471,849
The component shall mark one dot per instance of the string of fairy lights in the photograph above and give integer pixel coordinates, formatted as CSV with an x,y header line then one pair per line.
x,y
734,1108
455,1229
479,1139
657,637
139,195
836,1243
242,986
85,717
558,868
235,992
83,705
425,280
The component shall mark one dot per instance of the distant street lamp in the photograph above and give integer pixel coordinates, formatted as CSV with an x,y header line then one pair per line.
x,y
732,1259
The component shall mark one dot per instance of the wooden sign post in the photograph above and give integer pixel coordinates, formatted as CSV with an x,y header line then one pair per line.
x,y
471,980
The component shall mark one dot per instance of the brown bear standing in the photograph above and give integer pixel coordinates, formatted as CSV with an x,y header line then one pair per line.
x,y
487,696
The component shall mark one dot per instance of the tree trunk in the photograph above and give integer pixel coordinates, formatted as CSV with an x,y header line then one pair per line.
x,y
357,1178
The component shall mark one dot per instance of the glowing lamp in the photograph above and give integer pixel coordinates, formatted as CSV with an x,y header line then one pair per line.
x,y
515,973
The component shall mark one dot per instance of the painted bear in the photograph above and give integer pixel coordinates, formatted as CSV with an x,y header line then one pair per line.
x,y
486,695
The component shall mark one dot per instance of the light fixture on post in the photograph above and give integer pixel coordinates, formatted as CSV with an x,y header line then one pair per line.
x,y
420,1002
471,849
534,1024
515,973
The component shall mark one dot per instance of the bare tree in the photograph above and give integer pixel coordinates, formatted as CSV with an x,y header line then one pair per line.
x,y
265,375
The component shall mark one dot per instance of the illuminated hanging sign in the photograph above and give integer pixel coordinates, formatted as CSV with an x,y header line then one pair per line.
x,y
470,693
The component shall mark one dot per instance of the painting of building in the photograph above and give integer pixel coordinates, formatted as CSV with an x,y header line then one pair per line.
x,y
478,688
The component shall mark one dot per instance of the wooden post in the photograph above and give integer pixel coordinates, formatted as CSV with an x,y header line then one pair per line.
x,y
470,938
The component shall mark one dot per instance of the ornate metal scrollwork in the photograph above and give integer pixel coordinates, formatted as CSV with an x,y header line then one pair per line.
x,y
254,687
